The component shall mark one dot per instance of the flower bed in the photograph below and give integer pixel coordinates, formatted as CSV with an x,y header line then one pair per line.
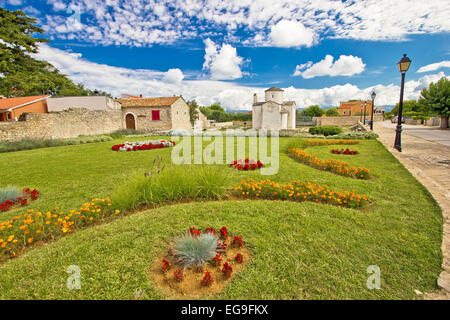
x,y
200,263
299,191
246,164
346,152
22,201
143,145
323,142
334,166
27,228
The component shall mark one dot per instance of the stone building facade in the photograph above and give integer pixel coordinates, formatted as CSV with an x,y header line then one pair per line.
x,y
353,108
155,114
274,113
59,125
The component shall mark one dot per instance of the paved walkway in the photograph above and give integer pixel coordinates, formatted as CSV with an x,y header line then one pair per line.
x,y
428,133
429,162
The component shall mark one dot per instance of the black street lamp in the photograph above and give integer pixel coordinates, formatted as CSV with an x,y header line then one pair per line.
x,y
361,112
403,66
364,113
373,100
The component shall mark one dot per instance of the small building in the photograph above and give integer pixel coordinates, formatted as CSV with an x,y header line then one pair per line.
x,y
355,108
150,114
12,108
93,103
274,113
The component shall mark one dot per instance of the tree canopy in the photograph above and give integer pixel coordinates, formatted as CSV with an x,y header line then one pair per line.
x,y
437,97
312,111
20,73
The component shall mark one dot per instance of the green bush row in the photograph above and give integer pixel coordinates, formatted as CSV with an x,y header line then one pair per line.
x,y
29,144
325,130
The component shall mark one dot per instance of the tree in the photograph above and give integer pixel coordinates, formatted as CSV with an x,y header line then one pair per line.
x,y
409,106
437,99
193,111
332,112
312,111
20,73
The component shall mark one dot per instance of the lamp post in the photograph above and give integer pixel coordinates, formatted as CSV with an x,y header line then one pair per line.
x,y
361,112
403,66
364,113
373,100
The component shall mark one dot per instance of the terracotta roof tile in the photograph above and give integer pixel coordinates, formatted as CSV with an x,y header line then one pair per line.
x,y
148,102
8,103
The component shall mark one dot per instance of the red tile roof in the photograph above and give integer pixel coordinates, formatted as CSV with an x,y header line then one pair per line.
x,y
148,102
8,103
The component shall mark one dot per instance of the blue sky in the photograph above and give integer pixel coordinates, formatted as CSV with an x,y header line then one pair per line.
x,y
319,51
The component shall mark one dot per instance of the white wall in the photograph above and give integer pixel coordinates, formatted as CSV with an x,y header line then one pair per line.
x,y
276,96
271,119
256,117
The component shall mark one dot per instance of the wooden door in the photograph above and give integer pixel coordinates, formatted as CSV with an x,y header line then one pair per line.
x,y
130,122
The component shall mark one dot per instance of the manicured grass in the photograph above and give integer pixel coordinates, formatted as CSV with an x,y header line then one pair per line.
x,y
299,250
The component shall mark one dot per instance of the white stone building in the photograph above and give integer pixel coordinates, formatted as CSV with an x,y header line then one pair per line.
x,y
273,113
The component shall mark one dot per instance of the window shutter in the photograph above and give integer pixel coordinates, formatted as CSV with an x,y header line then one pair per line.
x,y
155,115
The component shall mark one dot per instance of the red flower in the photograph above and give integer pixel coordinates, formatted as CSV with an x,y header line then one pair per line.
x,y
210,230
178,275
227,270
165,265
194,232
237,242
207,280
223,233
239,258
217,260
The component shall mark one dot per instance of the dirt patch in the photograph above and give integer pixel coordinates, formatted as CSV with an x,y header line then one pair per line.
x,y
190,287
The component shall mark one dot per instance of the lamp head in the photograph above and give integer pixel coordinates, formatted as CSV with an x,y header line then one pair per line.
x,y
403,64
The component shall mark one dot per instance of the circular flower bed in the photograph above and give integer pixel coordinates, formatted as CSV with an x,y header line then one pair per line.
x,y
200,263
246,164
346,151
22,201
143,145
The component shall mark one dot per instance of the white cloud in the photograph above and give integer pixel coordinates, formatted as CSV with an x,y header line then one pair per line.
x,y
231,95
344,66
291,34
434,66
15,2
174,76
260,23
223,62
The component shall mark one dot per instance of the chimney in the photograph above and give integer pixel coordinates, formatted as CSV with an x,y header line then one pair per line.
x,y
255,99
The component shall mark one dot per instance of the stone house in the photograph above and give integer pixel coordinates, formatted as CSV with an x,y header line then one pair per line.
x,y
355,108
155,114
274,113
12,108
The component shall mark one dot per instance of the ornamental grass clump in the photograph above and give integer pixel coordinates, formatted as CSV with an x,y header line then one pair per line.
x,y
10,193
163,184
195,250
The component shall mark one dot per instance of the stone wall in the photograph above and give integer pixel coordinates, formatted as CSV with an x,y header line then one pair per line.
x,y
342,121
60,125
144,121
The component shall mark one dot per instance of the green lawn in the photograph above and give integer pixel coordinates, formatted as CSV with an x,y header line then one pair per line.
x,y
300,250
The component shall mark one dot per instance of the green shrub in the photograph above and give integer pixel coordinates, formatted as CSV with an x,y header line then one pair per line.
x,y
9,193
125,132
325,130
171,184
195,251
29,144
356,136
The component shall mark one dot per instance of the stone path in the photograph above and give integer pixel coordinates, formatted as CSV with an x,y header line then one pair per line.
x,y
429,162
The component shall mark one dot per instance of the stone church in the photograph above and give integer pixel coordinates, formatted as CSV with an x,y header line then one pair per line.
x,y
273,113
